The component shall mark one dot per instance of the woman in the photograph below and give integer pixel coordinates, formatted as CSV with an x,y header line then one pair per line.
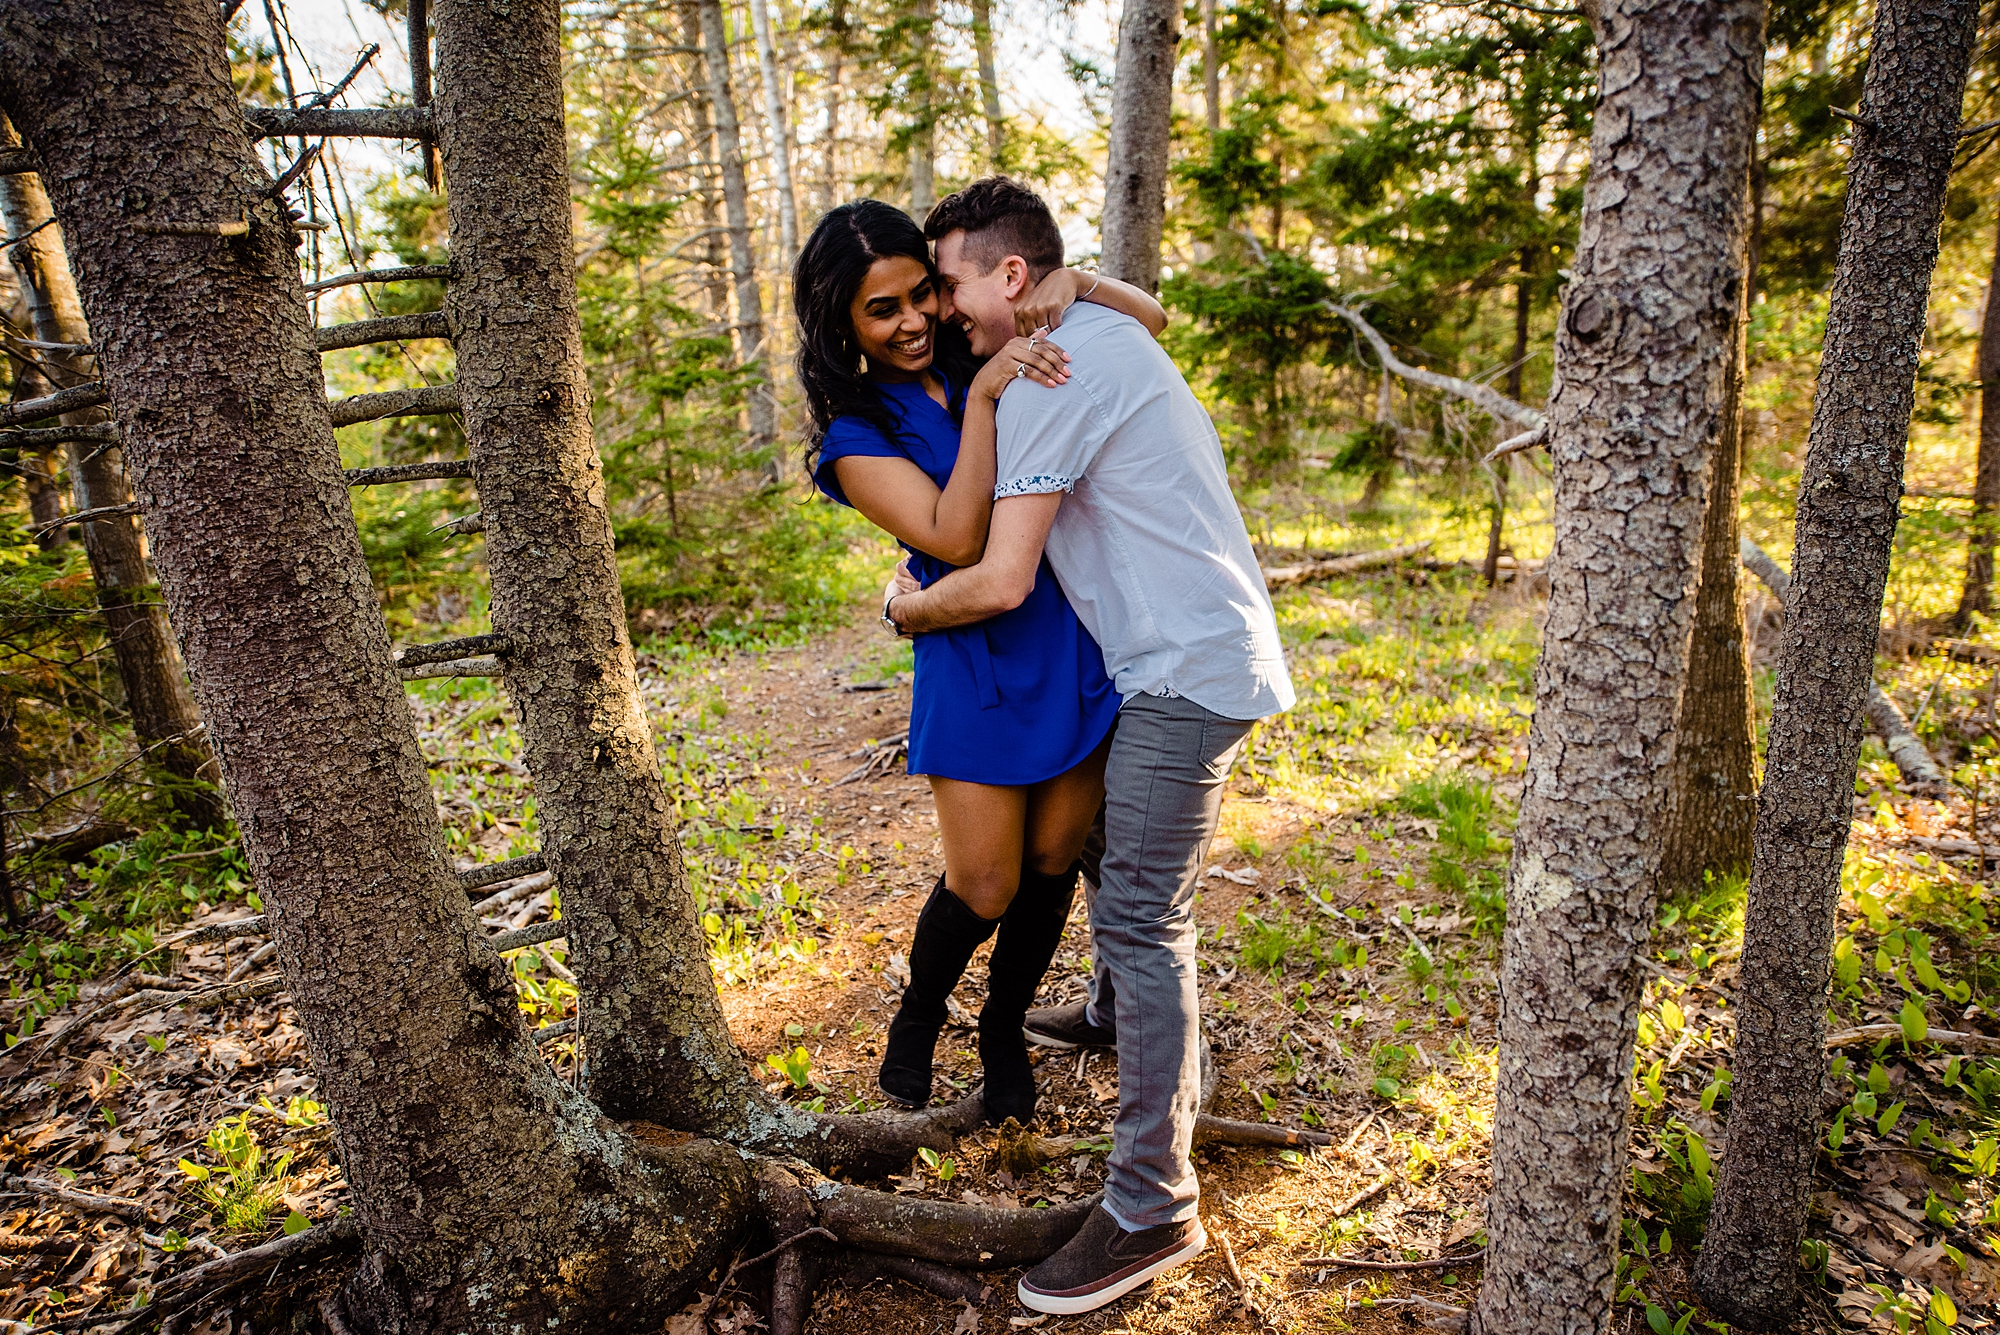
x,y
1009,718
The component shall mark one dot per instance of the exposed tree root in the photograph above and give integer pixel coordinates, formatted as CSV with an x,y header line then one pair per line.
x,y
952,1285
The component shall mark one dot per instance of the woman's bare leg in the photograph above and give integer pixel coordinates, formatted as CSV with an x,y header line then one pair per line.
x,y
1061,811
981,825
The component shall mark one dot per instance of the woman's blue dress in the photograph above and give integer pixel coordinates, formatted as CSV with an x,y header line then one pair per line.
x,y
1012,700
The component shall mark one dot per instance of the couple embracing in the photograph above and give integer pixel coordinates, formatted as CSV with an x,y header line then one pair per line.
x,y
1092,643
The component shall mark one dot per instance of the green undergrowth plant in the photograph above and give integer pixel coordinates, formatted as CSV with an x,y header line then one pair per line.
x,y
243,1185
1466,859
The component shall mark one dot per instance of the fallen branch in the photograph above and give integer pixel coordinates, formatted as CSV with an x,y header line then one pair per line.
x,y
549,1033
42,438
1247,1299
89,516
952,1285
1224,1131
486,665
431,401
215,931
1983,1045
1363,1196
492,873
78,840
251,961
529,936
1282,576
361,123
72,400
1343,1263
373,477
1492,401
1967,651
396,275
388,329
442,651
179,1290
881,756
123,1207
1913,759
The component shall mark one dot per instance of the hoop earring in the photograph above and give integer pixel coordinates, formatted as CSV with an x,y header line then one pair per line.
x,y
864,364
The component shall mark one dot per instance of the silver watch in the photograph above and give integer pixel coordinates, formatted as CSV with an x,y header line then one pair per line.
x,y
889,622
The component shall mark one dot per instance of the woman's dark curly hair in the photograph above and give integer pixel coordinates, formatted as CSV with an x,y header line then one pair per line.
x,y
830,269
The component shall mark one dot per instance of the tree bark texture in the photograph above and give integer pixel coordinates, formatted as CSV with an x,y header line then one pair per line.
x,y
1641,358
923,110
1135,172
1715,783
762,404
1849,494
1978,594
1211,72
142,643
715,247
448,1121
989,84
658,1045
780,125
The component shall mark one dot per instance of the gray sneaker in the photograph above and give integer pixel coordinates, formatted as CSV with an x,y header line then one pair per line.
x,y
1065,1028
1103,1263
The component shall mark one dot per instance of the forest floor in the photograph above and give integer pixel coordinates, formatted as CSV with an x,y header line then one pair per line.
x,y
1350,913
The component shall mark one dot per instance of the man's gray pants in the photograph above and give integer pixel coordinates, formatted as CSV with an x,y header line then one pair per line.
x,y
1163,793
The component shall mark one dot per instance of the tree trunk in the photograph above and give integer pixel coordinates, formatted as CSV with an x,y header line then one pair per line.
x,y
1848,501
1135,174
164,717
762,405
923,138
836,62
659,1047
715,247
40,474
1211,70
1715,781
780,124
989,84
1641,356
1978,595
447,1118
1523,307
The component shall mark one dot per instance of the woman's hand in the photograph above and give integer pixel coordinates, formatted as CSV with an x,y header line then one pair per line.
x,y
1035,358
1042,309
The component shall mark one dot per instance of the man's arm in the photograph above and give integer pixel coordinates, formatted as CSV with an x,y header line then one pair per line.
x,y
1000,582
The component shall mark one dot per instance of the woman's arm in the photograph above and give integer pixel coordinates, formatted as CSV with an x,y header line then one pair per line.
x,y
1044,306
951,523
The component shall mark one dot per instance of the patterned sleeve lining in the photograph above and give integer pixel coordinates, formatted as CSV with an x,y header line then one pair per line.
x,y
1034,484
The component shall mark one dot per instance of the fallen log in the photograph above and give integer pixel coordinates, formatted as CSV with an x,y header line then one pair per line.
x,y
1980,1045
78,840
1913,759
1283,576
442,651
492,873
486,665
89,1201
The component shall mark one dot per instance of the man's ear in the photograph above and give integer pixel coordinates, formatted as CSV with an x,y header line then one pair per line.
x,y
1016,281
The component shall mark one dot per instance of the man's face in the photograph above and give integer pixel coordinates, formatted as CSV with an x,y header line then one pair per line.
x,y
980,303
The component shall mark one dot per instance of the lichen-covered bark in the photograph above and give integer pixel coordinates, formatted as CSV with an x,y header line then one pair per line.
x,y
1642,354
1135,173
1848,502
491,1196
1714,786
657,1043
142,644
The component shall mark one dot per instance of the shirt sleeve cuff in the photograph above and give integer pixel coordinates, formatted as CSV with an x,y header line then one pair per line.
x,y
1034,484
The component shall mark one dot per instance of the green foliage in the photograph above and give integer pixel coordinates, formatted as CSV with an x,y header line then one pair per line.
x,y
243,1185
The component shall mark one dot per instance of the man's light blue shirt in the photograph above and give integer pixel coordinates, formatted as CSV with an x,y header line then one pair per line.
x,y
1148,545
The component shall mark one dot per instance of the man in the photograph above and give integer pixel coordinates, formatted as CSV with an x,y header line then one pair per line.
x,y
1118,475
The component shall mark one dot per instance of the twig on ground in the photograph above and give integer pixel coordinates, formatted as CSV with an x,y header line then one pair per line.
x,y
1345,1263
1278,577
709,1307
121,1206
1363,1196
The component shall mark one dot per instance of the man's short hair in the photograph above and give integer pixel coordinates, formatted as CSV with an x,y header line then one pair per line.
x,y
1000,217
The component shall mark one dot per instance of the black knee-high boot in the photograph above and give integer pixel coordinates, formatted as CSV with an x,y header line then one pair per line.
x,y
947,934
1030,930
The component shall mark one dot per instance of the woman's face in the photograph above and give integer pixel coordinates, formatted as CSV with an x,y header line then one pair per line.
x,y
896,316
